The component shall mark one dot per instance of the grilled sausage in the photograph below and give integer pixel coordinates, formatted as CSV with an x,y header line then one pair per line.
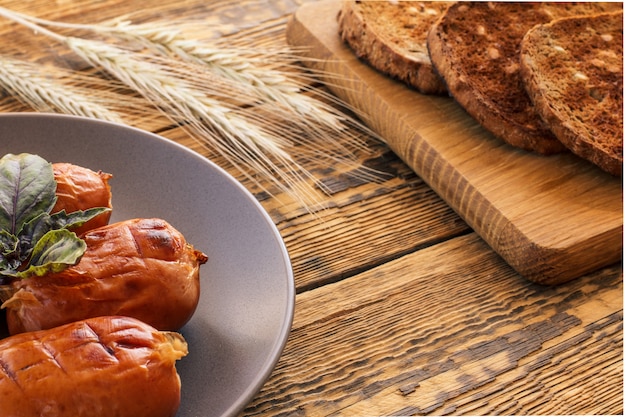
x,y
101,367
80,188
141,268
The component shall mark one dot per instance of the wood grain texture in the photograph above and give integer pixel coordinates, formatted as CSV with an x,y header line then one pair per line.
x,y
552,218
396,215
451,329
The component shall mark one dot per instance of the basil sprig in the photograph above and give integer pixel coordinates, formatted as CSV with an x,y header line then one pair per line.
x,y
32,240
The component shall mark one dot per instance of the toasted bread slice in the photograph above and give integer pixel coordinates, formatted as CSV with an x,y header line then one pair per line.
x,y
391,37
573,71
475,48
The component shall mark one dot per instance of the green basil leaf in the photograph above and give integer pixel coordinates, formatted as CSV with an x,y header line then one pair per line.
x,y
54,252
27,189
10,259
32,232
76,218
8,243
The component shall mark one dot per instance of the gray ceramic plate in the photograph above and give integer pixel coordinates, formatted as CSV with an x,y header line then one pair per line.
x,y
246,308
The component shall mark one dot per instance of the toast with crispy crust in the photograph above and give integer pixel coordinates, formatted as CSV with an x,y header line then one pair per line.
x,y
391,37
474,46
581,98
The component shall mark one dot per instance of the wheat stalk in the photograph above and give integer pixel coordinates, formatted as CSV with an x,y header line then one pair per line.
x,y
262,73
269,76
244,66
244,145
208,103
206,117
25,81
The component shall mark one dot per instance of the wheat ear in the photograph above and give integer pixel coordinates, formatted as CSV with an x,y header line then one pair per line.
x,y
265,75
268,75
247,67
247,146
25,81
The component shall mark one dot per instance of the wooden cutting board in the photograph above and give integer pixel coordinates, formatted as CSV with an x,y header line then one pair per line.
x,y
551,218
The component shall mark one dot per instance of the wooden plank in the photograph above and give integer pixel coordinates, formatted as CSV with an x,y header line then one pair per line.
x,y
451,329
552,218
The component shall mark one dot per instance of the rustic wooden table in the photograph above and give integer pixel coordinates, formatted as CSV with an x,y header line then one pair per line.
x,y
401,308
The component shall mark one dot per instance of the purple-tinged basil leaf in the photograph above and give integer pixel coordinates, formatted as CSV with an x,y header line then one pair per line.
x,y
27,189
9,254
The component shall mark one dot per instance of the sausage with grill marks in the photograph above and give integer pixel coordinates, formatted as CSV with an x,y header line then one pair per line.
x,y
141,268
100,367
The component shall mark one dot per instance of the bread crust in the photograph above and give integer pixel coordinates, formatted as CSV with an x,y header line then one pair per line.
x,y
581,99
475,48
391,37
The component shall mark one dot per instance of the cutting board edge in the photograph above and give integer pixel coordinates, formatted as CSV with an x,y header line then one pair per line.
x,y
539,263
